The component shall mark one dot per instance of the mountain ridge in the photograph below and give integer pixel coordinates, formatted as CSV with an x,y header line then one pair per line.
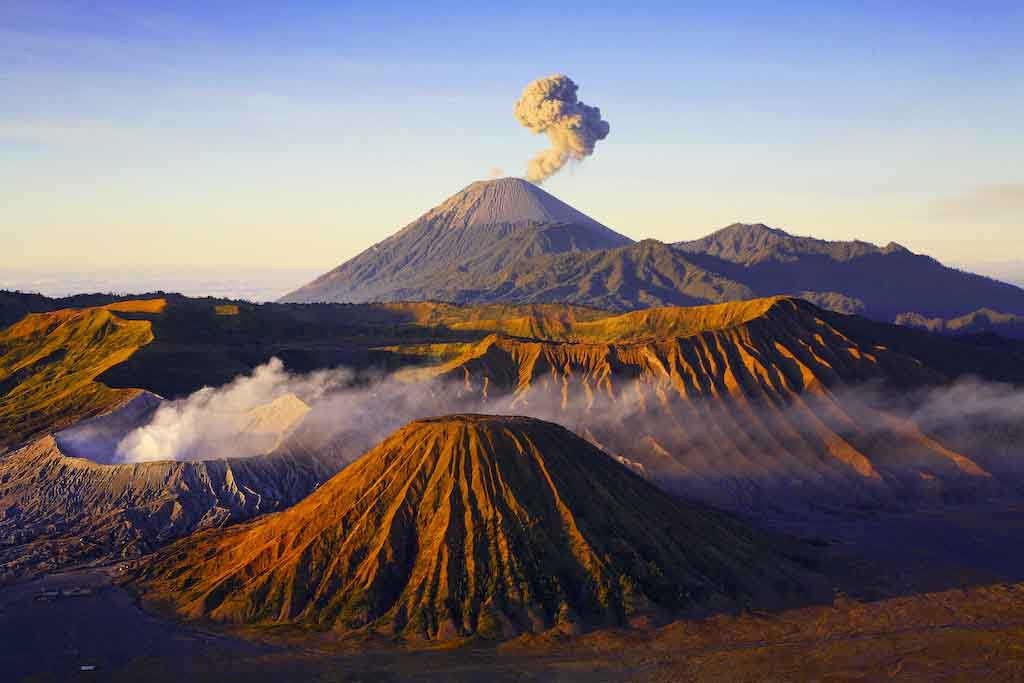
x,y
458,253
751,243
769,405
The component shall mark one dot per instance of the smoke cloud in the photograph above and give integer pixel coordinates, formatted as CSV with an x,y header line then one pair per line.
x,y
549,105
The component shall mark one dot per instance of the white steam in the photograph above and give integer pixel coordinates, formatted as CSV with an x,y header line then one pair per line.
x,y
248,416
738,454
549,105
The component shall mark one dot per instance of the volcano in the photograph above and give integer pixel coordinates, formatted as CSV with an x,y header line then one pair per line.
x,y
507,241
461,245
473,524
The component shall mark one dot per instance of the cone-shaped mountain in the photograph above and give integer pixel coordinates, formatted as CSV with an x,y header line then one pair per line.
x,y
472,524
470,237
507,241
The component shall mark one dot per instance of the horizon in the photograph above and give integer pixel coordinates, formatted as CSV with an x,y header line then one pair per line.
x,y
204,137
260,285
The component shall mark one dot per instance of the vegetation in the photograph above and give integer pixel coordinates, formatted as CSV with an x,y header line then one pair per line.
x,y
49,361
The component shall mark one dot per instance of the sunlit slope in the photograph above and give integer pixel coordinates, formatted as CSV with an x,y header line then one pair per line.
x,y
762,403
473,524
63,366
57,510
49,361
560,322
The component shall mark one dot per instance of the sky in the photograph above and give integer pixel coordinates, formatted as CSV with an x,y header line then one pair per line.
x,y
267,136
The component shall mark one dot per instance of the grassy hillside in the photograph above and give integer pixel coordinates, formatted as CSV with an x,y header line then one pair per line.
x,y
49,363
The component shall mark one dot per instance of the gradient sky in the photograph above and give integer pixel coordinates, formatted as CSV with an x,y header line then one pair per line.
x,y
248,134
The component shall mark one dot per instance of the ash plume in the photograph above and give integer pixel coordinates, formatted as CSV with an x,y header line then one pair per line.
x,y
549,105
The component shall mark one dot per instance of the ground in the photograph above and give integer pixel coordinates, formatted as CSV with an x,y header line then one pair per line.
x,y
947,605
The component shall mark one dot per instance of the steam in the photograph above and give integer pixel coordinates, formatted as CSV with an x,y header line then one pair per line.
x,y
741,453
248,416
549,105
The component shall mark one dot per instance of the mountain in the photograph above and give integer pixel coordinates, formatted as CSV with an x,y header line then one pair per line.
x,y
16,305
886,281
507,241
49,361
64,366
763,405
475,233
472,524
639,275
751,244
779,381
767,404
982,321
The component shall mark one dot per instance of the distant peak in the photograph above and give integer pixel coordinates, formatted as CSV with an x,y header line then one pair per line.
x,y
894,247
754,228
505,180
753,243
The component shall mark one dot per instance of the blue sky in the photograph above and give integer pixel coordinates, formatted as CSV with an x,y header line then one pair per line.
x,y
248,135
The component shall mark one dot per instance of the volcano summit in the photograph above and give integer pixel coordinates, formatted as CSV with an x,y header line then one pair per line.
x,y
461,245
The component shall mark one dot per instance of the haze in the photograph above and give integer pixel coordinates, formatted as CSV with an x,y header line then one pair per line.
x,y
251,136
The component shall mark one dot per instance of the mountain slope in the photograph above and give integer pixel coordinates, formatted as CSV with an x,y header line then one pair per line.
x,y
640,275
984,320
49,361
472,524
507,241
475,233
750,244
767,404
57,510
15,305
887,280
